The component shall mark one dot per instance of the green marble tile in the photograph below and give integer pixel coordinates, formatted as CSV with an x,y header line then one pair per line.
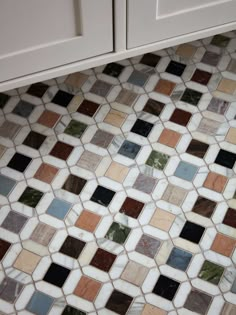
x,y
157,160
75,128
211,272
220,41
191,96
118,233
31,197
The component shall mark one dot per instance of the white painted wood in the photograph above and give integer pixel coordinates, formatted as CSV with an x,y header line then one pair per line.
x,y
120,29
28,23
170,6
146,25
112,57
49,50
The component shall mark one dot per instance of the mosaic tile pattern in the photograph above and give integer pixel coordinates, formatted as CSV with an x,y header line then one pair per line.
x,y
118,187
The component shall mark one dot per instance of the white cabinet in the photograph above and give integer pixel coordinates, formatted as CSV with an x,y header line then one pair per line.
x,y
39,35
150,21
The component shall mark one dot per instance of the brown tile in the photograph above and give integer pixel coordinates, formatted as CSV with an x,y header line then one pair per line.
x,y
231,135
76,79
169,137
43,234
153,310
88,108
180,117
87,288
61,150
103,260
197,148
186,50
132,207
198,302
115,118
202,77
134,273
101,88
148,246
230,218
174,194
150,60
211,58
26,261
119,302
48,118
215,182
165,87
9,129
102,139
88,221
46,173
162,219
228,309
227,86
89,160
4,246
153,107
74,184
223,244
117,172
204,207
126,97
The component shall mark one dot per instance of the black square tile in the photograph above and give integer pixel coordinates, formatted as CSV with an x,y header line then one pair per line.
x,y
62,98
142,128
153,107
192,232
72,247
74,184
34,140
23,109
69,310
166,287
197,148
102,196
38,89
191,97
119,302
150,60
56,275
103,260
175,68
4,246
226,158
3,99
31,197
19,162
129,149
113,69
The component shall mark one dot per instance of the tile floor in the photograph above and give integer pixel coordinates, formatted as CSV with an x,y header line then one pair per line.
x,y
118,187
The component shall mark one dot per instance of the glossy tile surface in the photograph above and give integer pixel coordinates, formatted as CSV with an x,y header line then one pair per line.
x,y
118,187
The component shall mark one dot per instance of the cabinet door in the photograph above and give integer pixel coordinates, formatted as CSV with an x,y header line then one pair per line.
x,y
38,35
154,20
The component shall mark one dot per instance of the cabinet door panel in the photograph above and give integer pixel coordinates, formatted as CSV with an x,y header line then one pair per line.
x,y
39,35
155,20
